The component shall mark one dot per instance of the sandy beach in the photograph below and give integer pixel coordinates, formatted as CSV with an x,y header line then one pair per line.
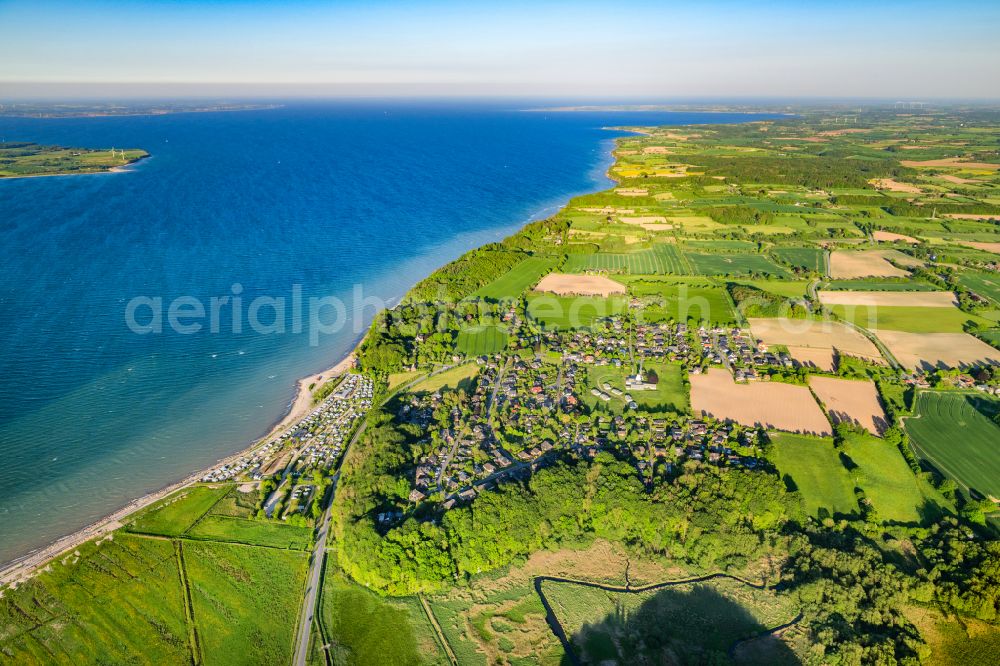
x,y
24,567
303,395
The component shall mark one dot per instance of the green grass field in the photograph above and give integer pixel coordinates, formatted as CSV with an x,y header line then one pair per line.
x,y
124,595
889,483
176,513
684,302
496,624
721,245
734,264
452,378
813,467
237,504
118,598
662,259
953,432
908,319
671,395
991,337
245,601
696,623
810,258
984,284
568,312
481,340
255,532
397,379
368,629
515,281
785,288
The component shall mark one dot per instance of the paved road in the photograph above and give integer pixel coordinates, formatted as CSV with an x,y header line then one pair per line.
x,y
312,591
316,565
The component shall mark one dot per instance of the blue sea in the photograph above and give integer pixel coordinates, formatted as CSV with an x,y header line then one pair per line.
x,y
310,199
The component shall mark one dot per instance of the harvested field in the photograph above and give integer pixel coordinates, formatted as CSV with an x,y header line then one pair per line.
x,y
924,299
582,285
765,404
608,210
987,247
958,180
890,237
811,357
582,235
643,219
631,192
934,350
972,216
851,401
950,162
852,264
657,227
656,150
813,334
894,186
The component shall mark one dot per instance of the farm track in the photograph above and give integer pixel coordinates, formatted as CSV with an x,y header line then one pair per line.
x,y
560,632
896,365
196,656
442,639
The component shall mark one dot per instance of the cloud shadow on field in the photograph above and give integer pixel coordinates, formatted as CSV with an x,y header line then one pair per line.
x,y
696,625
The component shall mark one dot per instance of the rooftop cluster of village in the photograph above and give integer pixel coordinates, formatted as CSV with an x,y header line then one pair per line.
x,y
525,408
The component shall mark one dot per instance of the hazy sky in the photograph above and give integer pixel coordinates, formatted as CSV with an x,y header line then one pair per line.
x,y
569,49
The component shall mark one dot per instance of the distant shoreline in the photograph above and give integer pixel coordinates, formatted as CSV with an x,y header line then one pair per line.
x,y
655,108
143,112
121,168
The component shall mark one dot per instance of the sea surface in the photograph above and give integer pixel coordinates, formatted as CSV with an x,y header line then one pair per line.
x,y
310,199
